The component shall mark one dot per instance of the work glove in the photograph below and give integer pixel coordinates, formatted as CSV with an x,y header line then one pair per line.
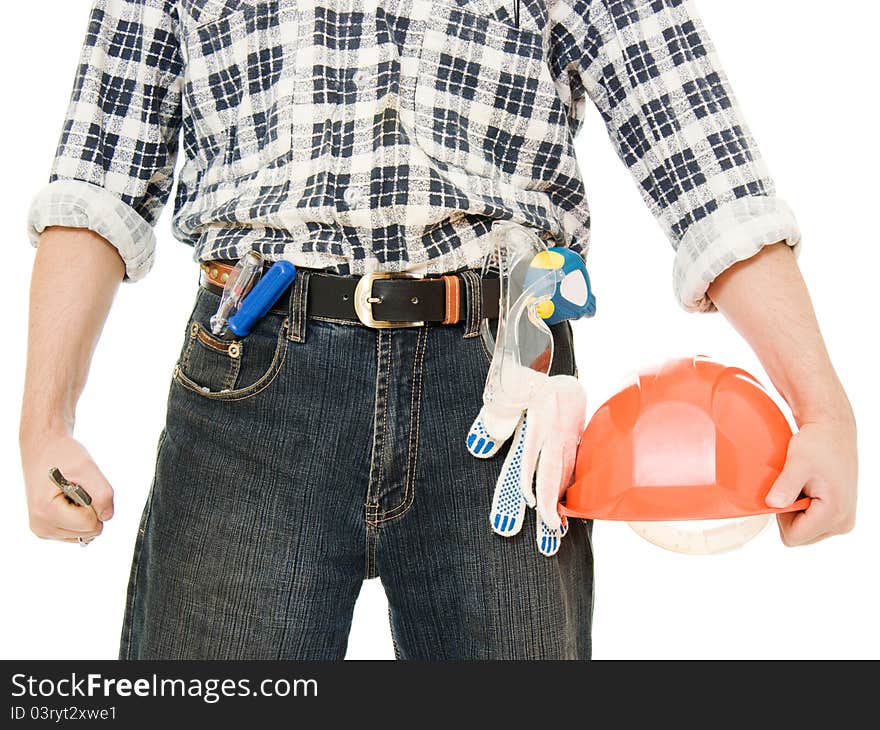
x,y
540,463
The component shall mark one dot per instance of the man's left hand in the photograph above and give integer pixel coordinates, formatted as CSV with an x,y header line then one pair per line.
x,y
822,463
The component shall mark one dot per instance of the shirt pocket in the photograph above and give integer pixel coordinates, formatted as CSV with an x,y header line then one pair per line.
x,y
485,101
236,97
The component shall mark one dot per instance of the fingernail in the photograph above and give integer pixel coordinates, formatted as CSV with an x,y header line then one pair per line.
x,y
775,499
106,514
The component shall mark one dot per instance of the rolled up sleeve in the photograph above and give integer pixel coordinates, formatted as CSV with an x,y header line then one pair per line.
x,y
652,71
113,169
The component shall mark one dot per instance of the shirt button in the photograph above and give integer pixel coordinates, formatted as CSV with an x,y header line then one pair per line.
x,y
352,196
359,77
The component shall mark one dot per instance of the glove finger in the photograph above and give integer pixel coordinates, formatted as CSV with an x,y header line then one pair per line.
x,y
530,451
569,459
548,539
484,441
508,506
480,443
549,484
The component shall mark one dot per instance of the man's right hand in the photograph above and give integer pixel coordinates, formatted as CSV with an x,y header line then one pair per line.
x,y
76,275
52,516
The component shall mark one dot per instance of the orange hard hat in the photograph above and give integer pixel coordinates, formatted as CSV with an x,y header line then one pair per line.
x,y
692,440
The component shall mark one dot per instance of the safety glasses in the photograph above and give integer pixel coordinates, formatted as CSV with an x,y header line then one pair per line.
x,y
523,343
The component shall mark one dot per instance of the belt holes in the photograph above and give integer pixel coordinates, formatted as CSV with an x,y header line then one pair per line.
x,y
415,300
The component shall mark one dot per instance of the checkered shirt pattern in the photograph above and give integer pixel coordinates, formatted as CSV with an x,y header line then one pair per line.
x,y
363,135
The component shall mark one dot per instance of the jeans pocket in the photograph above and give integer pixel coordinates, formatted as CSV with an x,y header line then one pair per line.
x,y
225,368
485,100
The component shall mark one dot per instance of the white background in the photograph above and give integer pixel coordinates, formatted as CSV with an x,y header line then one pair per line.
x,y
806,77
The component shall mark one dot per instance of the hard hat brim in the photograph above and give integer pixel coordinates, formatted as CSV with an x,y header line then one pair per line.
x,y
636,507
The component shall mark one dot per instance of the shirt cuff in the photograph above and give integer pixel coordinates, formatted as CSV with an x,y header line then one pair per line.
x,y
79,204
734,232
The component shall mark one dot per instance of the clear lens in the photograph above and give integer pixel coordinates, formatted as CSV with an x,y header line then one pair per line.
x,y
523,345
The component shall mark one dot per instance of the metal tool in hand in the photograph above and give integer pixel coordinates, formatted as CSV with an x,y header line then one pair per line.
x,y
74,494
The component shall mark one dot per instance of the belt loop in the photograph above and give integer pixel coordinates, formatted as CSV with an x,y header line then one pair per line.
x,y
453,299
473,302
298,309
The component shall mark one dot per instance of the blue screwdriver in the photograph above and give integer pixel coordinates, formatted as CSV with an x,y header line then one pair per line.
x,y
261,298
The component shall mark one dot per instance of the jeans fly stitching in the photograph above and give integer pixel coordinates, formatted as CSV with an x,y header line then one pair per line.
x,y
412,453
371,505
377,464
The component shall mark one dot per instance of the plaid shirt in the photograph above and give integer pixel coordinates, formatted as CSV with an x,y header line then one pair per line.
x,y
389,135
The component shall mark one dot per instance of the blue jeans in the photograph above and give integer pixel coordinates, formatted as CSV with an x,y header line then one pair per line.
x,y
316,454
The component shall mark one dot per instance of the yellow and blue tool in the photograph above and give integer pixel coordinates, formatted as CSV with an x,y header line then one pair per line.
x,y
573,298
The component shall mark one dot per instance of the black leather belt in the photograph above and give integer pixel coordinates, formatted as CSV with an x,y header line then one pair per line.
x,y
382,300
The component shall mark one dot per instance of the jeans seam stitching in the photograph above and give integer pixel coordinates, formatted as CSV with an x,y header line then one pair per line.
x,y
291,311
302,305
474,302
469,300
475,298
415,419
295,306
184,361
234,368
370,539
371,506
381,454
132,599
393,638
478,316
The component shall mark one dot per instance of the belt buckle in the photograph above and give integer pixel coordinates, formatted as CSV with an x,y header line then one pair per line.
x,y
364,300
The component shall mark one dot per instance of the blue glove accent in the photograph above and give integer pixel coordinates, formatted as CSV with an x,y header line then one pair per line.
x,y
549,541
480,443
508,505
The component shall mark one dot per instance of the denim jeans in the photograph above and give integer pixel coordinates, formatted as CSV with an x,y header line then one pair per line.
x,y
315,454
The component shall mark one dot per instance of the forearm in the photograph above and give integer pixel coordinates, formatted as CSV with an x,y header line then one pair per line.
x,y
75,277
766,300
